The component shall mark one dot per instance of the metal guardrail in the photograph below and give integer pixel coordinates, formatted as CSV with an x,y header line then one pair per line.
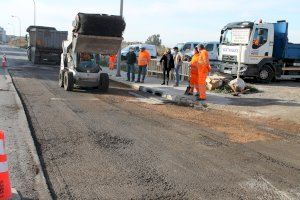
x,y
155,67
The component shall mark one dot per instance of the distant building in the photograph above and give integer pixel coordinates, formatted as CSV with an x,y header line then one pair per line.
x,y
3,38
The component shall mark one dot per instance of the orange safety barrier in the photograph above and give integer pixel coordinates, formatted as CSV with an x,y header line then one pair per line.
x,y
5,187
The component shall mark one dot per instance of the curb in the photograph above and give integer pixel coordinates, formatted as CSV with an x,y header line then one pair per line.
x,y
41,183
177,99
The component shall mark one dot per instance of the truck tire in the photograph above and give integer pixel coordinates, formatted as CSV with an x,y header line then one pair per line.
x,y
266,74
29,54
68,81
103,82
61,78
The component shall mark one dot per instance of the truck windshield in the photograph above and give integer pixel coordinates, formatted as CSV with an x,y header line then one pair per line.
x,y
236,36
87,63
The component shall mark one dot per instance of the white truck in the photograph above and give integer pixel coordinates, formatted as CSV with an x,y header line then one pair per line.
x,y
261,48
92,36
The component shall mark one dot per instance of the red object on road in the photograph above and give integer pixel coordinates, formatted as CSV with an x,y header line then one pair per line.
x,y
4,61
5,187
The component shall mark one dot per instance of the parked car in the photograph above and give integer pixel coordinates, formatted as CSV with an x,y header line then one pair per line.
x,y
188,50
213,50
151,48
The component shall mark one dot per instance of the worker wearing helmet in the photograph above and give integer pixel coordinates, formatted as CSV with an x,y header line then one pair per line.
x,y
203,70
143,61
194,72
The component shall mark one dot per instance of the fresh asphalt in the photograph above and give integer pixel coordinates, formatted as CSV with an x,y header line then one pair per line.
x,y
117,145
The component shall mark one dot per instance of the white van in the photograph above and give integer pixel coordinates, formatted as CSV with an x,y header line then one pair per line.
x,y
151,48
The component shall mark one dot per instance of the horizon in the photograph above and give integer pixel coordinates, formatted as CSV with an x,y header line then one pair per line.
x,y
176,21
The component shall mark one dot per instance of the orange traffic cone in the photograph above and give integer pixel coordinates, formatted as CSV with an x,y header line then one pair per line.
x,y
4,61
5,187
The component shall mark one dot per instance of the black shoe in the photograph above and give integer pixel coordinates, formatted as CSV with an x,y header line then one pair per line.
x,y
142,81
163,83
128,80
138,81
132,80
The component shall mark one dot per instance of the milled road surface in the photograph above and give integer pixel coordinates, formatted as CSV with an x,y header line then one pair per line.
x,y
122,146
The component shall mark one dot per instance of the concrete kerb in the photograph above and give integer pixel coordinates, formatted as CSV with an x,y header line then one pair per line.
x,y
44,192
175,98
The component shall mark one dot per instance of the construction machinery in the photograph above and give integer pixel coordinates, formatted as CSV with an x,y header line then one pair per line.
x,y
44,44
93,36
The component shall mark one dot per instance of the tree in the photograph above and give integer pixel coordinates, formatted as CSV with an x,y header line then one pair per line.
x,y
154,39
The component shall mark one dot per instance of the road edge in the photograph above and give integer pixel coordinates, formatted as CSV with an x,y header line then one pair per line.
x,y
41,183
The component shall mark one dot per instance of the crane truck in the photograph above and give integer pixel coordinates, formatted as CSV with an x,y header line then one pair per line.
x,y
93,35
262,50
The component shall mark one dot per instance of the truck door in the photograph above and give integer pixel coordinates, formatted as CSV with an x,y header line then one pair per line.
x,y
261,44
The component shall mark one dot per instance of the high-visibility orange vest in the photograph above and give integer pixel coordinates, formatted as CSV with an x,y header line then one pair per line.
x,y
203,62
144,58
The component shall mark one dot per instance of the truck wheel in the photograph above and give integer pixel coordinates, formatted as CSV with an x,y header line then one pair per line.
x,y
68,81
61,78
266,74
29,54
103,82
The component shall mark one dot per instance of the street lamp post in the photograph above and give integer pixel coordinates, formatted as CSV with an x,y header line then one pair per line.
x,y
13,16
119,52
34,13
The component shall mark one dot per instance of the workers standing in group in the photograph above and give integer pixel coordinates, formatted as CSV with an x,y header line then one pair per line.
x,y
131,60
203,70
168,64
112,61
194,72
143,61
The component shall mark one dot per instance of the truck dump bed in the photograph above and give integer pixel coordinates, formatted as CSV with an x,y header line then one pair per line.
x,y
96,44
46,37
292,51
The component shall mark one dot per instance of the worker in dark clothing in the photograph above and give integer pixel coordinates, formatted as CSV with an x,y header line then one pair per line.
x,y
168,63
131,60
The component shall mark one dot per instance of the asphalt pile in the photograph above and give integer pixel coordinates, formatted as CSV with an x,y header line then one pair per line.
x,y
99,25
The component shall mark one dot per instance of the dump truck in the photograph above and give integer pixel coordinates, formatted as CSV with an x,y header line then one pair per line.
x,y
93,35
44,44
262,49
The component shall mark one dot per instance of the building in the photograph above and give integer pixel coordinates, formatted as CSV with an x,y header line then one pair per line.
x,y
2,35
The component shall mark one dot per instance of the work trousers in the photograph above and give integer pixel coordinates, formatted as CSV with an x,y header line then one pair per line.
x,y
177,76
166,73
131,69
142,71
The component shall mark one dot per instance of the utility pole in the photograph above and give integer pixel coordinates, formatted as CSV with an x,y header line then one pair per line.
x,y
119,52
34,13
13,16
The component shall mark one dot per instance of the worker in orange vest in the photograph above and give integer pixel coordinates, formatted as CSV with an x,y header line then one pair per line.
x,y
143,61
112,61
194,72
203,70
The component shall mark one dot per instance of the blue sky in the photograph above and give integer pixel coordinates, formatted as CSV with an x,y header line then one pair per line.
x,y
175,20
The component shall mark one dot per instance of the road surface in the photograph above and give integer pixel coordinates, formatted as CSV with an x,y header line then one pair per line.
x,y
129,145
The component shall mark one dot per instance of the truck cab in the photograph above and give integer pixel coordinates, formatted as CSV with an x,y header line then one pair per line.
x,y
260,47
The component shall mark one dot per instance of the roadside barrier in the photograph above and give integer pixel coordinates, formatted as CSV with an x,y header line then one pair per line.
x,y
5,187
155,67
